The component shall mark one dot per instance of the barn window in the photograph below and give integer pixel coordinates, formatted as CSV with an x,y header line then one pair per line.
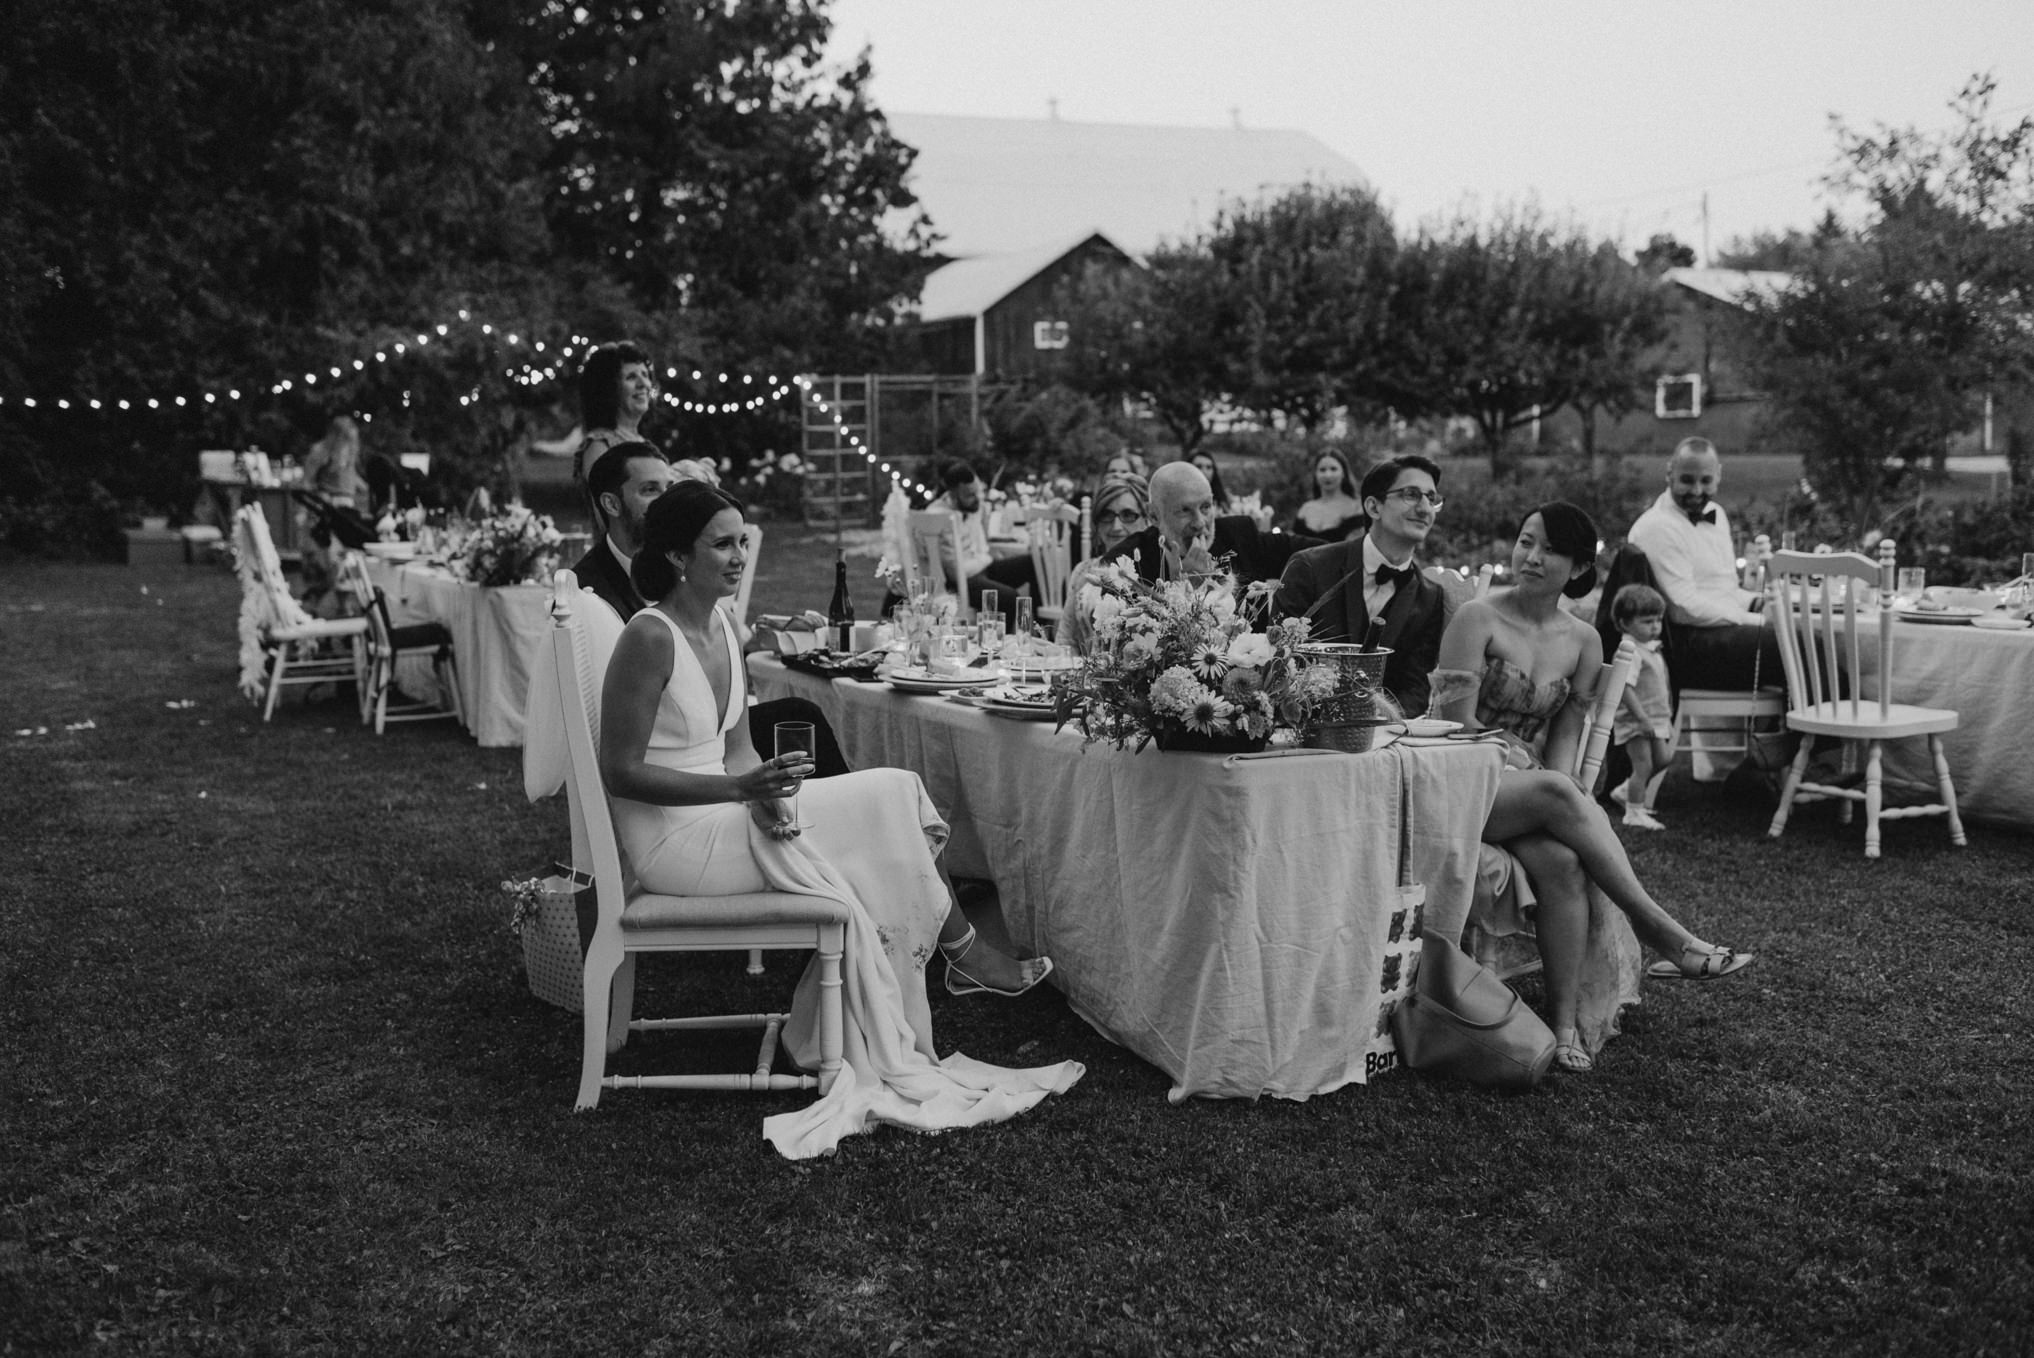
x,y
1048,334
1678,397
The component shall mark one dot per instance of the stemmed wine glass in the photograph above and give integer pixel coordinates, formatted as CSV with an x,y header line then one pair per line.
x,y
795,737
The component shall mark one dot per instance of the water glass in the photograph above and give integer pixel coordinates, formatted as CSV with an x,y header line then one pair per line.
x,y
795,736
1909,584
989,632
991,603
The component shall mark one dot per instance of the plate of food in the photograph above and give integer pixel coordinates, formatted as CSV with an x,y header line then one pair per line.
x,y
2000,622
1938,613
914,679
1022,703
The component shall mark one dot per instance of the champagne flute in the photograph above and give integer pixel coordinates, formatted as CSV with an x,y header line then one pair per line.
x,y
795,737
1024,619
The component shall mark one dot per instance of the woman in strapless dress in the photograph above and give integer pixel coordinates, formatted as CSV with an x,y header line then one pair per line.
x,y
1535,668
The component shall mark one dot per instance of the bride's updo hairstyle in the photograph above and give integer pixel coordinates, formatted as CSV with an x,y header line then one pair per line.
x,y
1572,533
673,524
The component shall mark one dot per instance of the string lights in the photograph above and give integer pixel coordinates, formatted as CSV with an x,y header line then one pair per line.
x,y
827,409
550,363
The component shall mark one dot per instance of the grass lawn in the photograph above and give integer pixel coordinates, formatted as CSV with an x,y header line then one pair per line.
x,y
272,1083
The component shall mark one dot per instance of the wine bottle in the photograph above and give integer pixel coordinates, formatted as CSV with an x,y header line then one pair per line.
x,y
1371,634
840,614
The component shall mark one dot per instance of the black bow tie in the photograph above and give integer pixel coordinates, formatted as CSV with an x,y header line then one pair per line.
x,y
1393,575
1706,516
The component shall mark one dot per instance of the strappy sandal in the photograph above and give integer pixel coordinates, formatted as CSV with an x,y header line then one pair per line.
x,y
1697,965
959,982
1569,1053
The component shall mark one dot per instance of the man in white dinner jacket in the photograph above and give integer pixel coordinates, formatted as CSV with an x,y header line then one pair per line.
x,y
1718,637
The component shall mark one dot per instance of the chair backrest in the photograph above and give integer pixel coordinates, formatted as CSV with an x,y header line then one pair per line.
x,y
1087,538
1484,575
1610,685
1813,601
583,634
748,584
1051,529
261,568
933,561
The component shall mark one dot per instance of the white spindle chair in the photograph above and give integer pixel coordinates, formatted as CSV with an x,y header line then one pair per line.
x,y
629,924
1814,606
290,638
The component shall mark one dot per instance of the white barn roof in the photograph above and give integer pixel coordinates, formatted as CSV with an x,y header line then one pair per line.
x,y
1732,286
1002,185
969,287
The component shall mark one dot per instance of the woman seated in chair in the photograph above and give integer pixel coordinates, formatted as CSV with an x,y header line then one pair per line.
x,y
1122,506
1516,661
700,813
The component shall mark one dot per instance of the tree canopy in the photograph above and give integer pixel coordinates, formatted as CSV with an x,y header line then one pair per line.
x,y
1877,352
224,196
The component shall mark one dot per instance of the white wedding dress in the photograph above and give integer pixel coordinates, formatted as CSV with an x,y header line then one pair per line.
x,y
870,841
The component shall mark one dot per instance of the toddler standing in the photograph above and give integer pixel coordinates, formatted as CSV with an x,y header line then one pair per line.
x,y
1645,714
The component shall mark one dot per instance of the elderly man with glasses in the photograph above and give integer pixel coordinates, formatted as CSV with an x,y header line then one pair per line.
x,y
1375,575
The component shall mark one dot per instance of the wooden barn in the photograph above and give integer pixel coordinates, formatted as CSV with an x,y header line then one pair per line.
x,y
1698,387
992,316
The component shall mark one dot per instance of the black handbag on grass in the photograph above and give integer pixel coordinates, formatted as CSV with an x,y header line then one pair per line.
x,y
1462,1021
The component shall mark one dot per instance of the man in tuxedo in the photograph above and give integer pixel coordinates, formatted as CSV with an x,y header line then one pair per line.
x,y
1344,585
623,484
1186,538
1716,634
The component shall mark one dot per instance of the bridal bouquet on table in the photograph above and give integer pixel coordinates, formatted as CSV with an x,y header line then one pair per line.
x,y
1177,662
514,547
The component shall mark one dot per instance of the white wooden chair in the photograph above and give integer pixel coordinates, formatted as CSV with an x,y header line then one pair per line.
x,y
1814,607
633,923
386,648
932,555
1718,721
1051,529
292,641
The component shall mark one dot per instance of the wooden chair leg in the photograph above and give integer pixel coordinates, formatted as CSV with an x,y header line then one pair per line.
x,y
278,665
1873,799
596,994
831,946
1790,785
622,1004
1946,789
1848,764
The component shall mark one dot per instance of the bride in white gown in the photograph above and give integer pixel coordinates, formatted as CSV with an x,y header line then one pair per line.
x,y
699,812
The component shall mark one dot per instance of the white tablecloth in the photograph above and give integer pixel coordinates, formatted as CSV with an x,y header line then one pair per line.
x,y
1987,678
1224,920
495,635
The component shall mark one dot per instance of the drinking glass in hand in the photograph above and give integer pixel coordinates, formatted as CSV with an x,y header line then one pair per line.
x,y
795,737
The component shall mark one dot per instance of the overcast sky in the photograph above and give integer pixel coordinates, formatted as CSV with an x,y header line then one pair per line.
x,y
1622,113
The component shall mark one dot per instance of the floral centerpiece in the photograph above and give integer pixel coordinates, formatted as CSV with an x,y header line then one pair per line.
x,y
1177,662
514,547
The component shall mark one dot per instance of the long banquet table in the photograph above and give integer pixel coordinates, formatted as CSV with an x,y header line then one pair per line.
x,y
495,634
1987,678
1225,919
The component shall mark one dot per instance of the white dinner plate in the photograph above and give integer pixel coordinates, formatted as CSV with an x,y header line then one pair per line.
x,y
914,680
1421,728
1043,664
1940,615
391,551
1999,622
